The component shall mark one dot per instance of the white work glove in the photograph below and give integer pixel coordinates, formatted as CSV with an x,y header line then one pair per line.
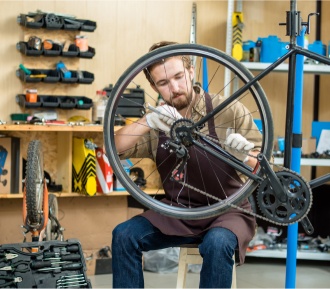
x,y
164,117
238,142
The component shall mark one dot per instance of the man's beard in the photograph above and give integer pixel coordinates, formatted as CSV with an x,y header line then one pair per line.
x,y
182,102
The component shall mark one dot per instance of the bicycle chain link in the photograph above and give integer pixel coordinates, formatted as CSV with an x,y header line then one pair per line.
x,y
237,207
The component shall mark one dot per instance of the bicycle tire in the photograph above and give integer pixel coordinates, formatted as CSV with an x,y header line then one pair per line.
x,y
218,60
34,182
51,228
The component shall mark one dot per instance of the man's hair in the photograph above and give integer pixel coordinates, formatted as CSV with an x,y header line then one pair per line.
x,y
147,71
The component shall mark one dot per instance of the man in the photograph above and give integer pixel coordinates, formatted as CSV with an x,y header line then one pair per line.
x,y
218,237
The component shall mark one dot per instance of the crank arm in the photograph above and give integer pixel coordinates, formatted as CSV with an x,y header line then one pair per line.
x,y
273,180
307,225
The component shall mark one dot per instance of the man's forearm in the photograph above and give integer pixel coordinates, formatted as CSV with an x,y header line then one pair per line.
x,y
128,136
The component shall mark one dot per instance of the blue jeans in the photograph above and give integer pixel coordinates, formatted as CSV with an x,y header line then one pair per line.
x,y
130,238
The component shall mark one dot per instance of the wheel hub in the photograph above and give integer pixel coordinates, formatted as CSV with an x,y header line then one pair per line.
x,y
181,132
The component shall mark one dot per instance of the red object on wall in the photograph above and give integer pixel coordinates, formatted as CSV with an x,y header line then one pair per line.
x,y
104,172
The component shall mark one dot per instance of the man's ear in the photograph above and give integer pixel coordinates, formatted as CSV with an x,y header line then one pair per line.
x,y
192,73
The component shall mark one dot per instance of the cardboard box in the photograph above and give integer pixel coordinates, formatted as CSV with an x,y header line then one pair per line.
x,y
90,259
10,165
117,185
97,265
308,146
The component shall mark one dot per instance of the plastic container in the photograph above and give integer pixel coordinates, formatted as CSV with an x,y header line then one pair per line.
x,y
84,102
270,49
247,46
99,105
318,47
72,51
85,77
82,43
67,102
49,101
31,95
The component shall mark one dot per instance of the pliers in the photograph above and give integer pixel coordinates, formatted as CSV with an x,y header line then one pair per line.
x,y
10,281
7,256
14,267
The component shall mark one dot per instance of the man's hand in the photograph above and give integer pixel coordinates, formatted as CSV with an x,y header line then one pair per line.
x,y
239,142
163,117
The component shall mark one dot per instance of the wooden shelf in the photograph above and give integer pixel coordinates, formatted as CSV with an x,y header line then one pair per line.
x,y
74,195
51,127
302,255
308,68
307,162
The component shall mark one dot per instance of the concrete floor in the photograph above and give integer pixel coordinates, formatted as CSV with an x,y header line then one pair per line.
x,y
255,273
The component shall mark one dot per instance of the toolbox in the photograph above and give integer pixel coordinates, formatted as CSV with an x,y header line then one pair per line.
x,y
57,264
132,102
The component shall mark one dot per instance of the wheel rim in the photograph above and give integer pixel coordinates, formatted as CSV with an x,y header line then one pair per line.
x,y
254,99
51,230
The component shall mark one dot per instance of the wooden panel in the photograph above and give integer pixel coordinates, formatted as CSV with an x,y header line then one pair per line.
x,y
49,144
64,161
90,220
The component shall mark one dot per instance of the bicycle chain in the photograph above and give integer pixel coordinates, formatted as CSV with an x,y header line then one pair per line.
x,y
239,208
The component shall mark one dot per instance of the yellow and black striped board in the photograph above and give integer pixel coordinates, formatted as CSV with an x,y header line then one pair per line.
x,y
237,22
83,167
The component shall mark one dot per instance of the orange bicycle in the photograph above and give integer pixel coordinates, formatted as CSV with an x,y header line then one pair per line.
x,y
40,209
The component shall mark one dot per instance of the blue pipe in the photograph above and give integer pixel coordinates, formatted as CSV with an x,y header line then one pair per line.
x,y
292,245
205,76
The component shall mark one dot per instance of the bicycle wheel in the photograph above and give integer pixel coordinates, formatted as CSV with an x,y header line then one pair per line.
x,y
254,100
51,228
34,183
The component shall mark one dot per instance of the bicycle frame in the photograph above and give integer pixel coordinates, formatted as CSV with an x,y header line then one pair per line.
x,y
293,29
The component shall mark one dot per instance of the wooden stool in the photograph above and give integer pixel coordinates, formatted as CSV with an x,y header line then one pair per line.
x,y
189,254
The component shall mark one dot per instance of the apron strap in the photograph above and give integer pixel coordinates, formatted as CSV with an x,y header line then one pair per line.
x,y
209,108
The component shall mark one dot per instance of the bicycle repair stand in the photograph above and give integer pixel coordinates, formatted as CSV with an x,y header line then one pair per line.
x,y
293,130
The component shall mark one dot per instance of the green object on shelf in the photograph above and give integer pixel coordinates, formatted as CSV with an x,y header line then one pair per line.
x,y
27,71
19,116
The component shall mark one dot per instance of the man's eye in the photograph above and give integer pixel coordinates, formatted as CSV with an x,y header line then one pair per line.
x,y
162,83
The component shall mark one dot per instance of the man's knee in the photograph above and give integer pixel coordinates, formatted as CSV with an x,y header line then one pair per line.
x,y
219,240
129,232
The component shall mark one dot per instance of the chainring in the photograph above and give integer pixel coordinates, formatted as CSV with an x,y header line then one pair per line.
x,y
181,131
297,205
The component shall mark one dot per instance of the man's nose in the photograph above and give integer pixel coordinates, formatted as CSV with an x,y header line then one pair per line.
x,y
174,86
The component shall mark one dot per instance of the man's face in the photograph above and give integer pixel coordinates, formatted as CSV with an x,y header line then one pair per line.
x,y
174,82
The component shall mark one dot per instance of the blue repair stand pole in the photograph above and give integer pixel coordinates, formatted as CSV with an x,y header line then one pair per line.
x,y
292,245
205,76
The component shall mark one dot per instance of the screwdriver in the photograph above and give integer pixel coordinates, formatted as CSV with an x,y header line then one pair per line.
x,y
67,249
73,266
42,264
69,257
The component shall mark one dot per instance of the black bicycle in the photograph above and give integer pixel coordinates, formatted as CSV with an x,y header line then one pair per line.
x,y
283,196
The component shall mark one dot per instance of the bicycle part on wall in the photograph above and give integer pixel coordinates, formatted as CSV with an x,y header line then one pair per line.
x,y
188,137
